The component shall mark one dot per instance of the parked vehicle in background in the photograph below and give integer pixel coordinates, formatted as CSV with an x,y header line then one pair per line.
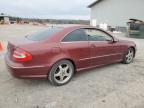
x,y
58,53
136,28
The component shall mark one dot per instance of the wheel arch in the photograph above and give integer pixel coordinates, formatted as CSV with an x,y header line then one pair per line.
x,y
74,64
133,49
72,61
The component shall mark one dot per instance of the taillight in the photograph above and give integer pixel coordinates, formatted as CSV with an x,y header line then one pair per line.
x,y
21,55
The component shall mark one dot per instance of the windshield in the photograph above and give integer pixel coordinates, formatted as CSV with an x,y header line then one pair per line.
x,y
44,34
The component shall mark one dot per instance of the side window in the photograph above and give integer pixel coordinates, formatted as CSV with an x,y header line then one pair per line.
x,y
97,35
77,35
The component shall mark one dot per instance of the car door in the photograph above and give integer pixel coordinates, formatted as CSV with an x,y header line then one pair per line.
x,y
102,47
76,45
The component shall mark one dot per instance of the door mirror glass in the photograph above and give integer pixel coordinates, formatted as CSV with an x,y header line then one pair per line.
x,y
114,39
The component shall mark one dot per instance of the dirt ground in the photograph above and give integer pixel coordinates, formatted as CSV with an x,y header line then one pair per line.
x,y
112,86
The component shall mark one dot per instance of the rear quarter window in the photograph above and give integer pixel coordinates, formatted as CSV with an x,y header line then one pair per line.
x,y
76,35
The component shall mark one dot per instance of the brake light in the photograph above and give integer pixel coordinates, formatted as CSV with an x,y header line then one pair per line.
x,y
21,55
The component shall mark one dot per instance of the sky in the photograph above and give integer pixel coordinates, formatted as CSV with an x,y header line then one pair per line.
x,y
55,9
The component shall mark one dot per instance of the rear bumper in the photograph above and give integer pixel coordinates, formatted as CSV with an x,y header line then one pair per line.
x,y
20,71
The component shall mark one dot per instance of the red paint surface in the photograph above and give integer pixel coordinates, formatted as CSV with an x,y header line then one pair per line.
x,y
1,48
46,53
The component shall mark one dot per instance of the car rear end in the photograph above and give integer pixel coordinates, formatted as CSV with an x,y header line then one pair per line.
x,y
22,60
30,56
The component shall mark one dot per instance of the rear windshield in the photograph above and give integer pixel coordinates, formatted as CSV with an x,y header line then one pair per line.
x,y
42,35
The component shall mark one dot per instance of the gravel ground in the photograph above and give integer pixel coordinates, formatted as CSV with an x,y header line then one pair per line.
x,y
112,86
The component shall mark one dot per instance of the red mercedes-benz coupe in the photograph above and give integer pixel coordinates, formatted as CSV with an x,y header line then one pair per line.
x,y
58,53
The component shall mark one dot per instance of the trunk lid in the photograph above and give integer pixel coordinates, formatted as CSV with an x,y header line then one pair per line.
x,y
17,43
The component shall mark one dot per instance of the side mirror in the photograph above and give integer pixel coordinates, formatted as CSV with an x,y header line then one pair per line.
x,y
115,40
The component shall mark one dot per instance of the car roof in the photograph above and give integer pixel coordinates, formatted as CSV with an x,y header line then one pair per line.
x,y
78,27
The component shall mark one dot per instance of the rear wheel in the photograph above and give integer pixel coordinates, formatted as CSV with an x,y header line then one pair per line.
x,y
61,73
128,57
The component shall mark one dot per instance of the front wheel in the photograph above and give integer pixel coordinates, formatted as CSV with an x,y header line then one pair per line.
x,y
128,57
61,73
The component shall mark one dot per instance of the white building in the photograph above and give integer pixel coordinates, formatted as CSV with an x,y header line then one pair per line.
x,y
4,19
116,12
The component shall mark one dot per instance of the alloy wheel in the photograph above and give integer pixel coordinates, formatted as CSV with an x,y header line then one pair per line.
x,y
129,56
63,73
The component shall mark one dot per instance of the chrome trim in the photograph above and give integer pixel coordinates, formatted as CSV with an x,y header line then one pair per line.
x,y
96,65
89,67
34,76
101,56
85,28
75,41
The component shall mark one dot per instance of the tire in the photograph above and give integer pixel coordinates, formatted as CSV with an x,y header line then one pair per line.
x,y
61,73
128,56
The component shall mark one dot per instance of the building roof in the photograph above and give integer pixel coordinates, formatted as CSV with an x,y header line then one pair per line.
x,y
3,15
94,3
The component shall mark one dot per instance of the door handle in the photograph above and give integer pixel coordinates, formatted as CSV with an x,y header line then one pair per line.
x,y
92,46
